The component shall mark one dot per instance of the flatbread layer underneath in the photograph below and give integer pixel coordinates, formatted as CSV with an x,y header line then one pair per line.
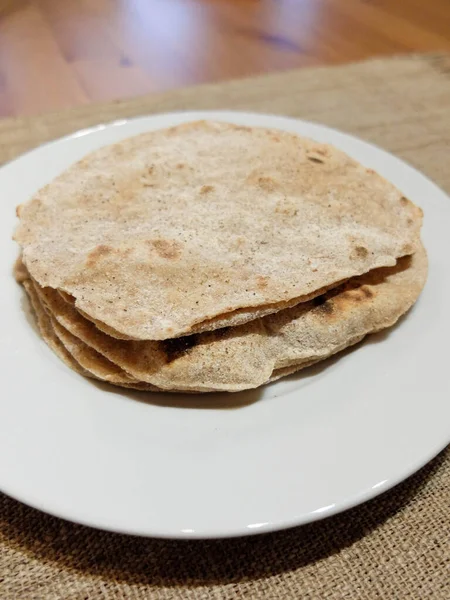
x,y
250,355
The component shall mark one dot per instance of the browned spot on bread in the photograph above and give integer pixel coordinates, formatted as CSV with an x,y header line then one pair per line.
x,y
275,138
367,291
356,295
370,171
177,347
181,166
404,201
97,253
315,159
409,222
167,248
263,181
262,282
408,248
18,209
267,183
205,189
359,252
238,243
286,207
147,178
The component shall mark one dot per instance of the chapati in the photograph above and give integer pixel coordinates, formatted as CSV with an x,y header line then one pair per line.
x,y
250,355
207,225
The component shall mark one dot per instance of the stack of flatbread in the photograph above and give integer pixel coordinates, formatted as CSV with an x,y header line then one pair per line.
x,y
213,257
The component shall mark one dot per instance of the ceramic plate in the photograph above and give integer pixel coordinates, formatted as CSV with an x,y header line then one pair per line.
x,y
219,465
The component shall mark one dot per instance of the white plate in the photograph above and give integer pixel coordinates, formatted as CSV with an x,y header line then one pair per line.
x,y
296,451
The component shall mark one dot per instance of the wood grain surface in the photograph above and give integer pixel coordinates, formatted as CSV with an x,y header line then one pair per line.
x,y
60,53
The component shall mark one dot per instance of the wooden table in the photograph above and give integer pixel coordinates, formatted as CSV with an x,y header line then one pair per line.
x,y
60,53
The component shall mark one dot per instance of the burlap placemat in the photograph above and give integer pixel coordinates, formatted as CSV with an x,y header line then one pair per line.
x,y
396,546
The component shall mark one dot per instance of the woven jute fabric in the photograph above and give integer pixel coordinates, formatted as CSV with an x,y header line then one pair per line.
x,y
396,546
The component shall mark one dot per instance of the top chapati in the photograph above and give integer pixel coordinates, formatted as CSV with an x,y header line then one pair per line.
x,y
209,224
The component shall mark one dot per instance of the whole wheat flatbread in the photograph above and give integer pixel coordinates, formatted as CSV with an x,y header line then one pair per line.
x,y
207,225
46,329
252,354
84,360
89,359
95,362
